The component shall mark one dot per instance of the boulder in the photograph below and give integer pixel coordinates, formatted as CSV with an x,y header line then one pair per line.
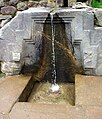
x,y
2,3
8,10
22,6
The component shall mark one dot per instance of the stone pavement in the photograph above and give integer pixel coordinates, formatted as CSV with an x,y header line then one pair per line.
x,y
88,89
10,90
45,111
49,111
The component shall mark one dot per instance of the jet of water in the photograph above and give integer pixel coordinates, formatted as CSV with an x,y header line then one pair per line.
x,y
54,87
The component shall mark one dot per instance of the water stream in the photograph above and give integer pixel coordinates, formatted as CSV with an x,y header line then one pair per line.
x,y
53,52
54,87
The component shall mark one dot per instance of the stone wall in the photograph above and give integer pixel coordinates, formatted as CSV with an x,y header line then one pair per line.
x,y
9,8
21,38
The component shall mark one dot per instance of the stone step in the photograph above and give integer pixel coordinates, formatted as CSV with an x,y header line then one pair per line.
x,y
45,111
88,90
10,90
93,112
50,111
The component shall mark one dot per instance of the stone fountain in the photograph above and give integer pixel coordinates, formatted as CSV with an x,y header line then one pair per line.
x,y
21,39
53,45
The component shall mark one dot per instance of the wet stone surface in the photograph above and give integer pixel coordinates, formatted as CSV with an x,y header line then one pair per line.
x,y
42,94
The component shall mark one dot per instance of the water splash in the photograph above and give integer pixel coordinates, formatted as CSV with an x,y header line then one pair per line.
x,y
55,86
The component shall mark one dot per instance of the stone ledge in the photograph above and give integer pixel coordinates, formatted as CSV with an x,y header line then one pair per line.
x,y
50,111
94,112
10,90
45,111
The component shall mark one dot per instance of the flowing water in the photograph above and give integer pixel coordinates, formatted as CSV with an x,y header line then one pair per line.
x,y
53,52
54,87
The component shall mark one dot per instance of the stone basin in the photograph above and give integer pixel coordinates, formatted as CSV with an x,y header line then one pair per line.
x,y
41,93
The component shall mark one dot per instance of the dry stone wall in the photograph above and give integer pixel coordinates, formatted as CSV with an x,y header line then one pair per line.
x,y
9,8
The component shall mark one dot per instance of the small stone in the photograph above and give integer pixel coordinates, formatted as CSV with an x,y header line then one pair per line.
x,y
98,15
8,10
22,6
13,2
11,68
33,3
2,3
43,3
79,5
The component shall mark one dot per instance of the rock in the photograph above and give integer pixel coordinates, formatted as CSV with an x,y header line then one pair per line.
x,y
2,3
33,3
3,22
13,2
8,10
11,68
22,6
80,5
98,15
3,17
43,3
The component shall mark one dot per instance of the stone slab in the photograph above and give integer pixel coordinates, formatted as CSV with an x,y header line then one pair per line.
x,y
88,90
10,90
45,111
2,79
4,116
94,113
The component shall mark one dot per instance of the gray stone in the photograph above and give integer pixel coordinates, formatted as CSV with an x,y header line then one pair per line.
x,y
98,15
11,68
3,17
13,2
2,3
21,38
3,22
22,6
88,21
33,3
8,10
99,59
96,35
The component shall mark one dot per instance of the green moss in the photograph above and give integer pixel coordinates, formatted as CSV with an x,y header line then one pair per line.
x,y
2,74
